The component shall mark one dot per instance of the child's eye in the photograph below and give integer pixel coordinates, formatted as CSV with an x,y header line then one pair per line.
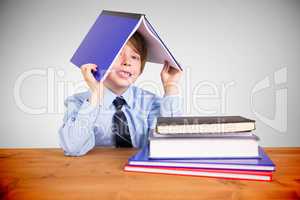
x,y
135,57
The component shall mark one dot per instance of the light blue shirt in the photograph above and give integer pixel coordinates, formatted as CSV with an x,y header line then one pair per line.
x,y
85,126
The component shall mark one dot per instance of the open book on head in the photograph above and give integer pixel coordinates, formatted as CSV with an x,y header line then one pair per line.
x,y
110,33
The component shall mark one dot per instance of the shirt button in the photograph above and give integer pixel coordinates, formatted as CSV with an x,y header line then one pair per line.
x,y
73,119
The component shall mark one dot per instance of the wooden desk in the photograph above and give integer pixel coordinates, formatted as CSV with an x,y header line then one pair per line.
x,y
48,174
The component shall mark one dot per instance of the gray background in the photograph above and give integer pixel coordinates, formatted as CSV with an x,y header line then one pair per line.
x,y
219,42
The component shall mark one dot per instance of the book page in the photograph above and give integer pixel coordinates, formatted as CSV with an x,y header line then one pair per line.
x,y
157,51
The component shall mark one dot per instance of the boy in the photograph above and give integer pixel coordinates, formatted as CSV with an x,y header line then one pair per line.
x,y
114,112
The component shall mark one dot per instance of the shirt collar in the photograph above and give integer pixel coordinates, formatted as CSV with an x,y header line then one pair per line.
x,y
109,96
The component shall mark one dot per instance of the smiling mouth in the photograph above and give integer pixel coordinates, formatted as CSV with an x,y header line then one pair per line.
x,y
124,74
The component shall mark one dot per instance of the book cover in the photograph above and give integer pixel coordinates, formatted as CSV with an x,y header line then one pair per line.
x,y
105,39
216,173
203,147
262,163
197,124
246,134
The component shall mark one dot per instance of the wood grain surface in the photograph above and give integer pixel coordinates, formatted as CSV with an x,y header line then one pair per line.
x,y
48,174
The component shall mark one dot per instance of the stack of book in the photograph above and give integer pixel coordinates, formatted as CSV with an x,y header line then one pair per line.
x,y
223,147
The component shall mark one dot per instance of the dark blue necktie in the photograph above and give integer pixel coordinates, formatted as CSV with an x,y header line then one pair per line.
x,y
119,125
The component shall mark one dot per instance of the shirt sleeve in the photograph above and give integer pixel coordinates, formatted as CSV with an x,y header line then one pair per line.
x,y
76,135
168,106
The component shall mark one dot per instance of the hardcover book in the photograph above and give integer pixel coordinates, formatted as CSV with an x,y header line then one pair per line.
x,y
107,36
195,124
216,173
262,163
172,146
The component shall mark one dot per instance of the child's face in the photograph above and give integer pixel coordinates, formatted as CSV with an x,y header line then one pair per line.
x,y
126,68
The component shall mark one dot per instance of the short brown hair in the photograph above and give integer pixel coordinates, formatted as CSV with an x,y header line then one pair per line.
x,y
139,44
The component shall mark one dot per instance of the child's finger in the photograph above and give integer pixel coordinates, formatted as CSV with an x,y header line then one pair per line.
x,y
165,67
88,67
89,76
94,67
87,71
84,68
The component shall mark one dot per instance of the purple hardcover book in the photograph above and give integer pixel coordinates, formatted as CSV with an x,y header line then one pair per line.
x,y
262,163
109,34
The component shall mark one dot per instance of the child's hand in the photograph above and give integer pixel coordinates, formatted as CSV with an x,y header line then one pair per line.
x,y
95,86
170,78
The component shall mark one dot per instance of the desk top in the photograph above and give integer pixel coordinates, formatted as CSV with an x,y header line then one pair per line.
x,y
48,174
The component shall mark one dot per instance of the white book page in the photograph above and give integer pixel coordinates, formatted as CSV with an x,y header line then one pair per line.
x,y
157,52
